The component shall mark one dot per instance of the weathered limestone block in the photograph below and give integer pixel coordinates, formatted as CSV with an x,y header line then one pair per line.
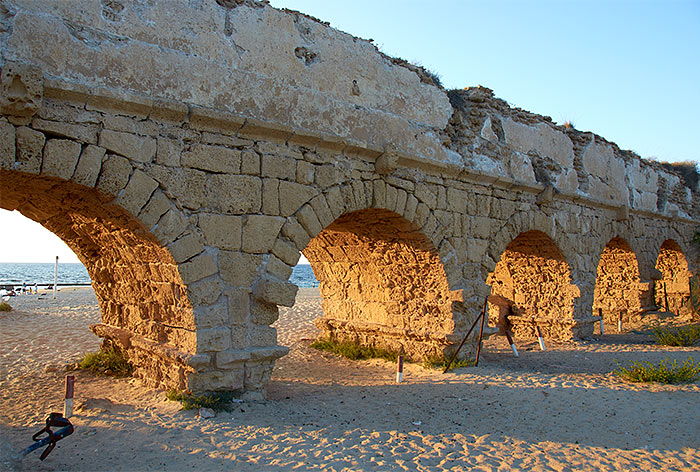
x,y
237,268
60,158
222,231
250,163
171,225
205,292
286,252
229,379
231,358
263,313
136,193
21,89
296,232
89,165
235,194
114,175
30,145
260,232
157,206
197,268
292,196
7,145
185,247
262,336
278,268
168,151
213,339
137,148
238,306
308,219
78,132
542,138
305,172
276,292
212,158
212,316
278,167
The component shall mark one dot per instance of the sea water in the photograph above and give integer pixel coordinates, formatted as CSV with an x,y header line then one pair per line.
x,y
16,273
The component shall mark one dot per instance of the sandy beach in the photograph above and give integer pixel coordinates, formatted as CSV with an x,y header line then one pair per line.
x,y
559,410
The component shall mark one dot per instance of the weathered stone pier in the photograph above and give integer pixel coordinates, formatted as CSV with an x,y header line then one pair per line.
x,y
189,152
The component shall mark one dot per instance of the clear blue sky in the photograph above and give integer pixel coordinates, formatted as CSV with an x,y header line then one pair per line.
x,y
627,70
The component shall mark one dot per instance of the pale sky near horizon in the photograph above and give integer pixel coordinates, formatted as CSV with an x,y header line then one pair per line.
x,y
626,70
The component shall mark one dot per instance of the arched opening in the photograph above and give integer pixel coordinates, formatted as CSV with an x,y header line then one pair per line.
x,y
672,291
382,284
617,283
143,302
531,286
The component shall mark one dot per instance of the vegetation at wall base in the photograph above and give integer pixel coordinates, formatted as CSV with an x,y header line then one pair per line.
x,y
217,401
681,336
353,350
106,361
665,372
441,362
5,306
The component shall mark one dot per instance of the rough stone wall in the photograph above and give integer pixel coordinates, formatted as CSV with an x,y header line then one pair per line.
x,y
247,135
617,287
141,295
673,289
533,276
382,284
495,138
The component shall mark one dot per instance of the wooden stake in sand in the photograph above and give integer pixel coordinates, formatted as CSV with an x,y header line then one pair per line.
x,y
70,389
619,323
539,338
399,369
512,343
55,277
600,313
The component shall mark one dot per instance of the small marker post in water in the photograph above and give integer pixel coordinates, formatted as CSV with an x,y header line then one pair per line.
x,y
70,389
539,337
512,343
55,277
399,369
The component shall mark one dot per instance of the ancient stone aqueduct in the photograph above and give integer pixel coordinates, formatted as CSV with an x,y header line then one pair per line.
x,y
189,151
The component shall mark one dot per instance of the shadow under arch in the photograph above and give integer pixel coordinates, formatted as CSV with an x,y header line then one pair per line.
x,y
618,289
145,309
672,291
531,286
383,285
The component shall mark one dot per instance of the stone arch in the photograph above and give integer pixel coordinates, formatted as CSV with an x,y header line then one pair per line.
x,y
146,311
382,284
531,285
372,247
618,286
672,291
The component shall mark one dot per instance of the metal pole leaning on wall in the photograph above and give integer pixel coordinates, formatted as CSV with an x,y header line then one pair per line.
x,y
465,337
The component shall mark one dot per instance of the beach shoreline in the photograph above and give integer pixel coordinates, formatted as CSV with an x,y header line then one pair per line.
x,y
561,409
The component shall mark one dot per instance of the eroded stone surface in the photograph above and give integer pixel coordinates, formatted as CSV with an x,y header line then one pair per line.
x,y
189,204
